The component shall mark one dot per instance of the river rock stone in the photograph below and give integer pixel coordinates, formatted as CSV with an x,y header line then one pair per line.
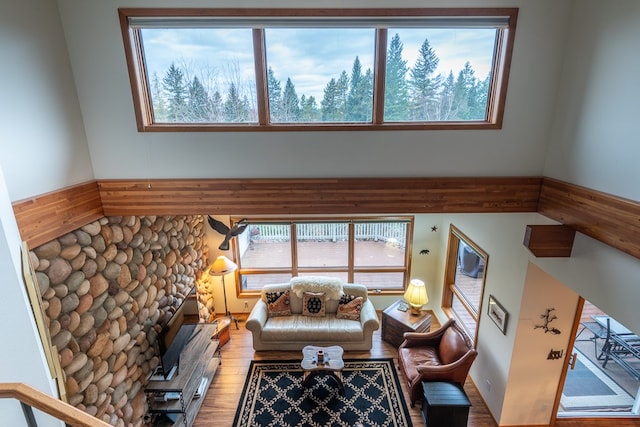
x,y
92,228
78,262
124,277
112,270
70,252
58,271
98,285
121,342
70,302
98,244
90,268
61,290
71,385
99,345
105,382
86,323
55,308
86,301
61,339
79,360
48,250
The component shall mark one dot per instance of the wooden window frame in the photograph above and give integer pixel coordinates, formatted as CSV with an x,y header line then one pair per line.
x,y
142,99
350,269
450,289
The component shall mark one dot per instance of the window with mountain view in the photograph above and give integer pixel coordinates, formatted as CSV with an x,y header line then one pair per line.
x,y
286,69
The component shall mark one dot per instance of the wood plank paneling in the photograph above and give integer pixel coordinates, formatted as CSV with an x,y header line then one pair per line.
x,y
51,215
610,219
319,196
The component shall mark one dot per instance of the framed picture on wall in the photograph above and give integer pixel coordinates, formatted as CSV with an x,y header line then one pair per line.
x,y
498,314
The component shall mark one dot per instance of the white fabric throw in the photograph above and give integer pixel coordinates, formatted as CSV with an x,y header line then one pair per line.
x,y
331,287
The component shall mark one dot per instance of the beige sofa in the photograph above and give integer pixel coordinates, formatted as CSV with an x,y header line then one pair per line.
x,y
294,331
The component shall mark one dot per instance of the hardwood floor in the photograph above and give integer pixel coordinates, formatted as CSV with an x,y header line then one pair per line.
x,y
221,401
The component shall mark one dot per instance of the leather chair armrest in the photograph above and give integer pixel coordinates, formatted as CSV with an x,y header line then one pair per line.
x,y
258,316
426,339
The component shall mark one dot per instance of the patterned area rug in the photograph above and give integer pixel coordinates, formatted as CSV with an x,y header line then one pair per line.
x,y
273,396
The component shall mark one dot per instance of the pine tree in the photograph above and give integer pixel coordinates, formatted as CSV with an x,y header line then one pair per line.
x,y
342,93
275,96
396,94
290,103
309,110
235,109
359,101
330,102
158,100
174,86
198,102
217,108
447,100
423,84
463,92
478,99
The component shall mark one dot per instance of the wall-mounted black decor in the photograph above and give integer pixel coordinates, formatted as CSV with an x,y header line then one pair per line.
x,y
548,317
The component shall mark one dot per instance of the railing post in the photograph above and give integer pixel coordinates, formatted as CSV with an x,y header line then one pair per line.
x,y
28,415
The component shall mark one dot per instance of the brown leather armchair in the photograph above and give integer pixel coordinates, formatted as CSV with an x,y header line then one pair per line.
x,y
442,355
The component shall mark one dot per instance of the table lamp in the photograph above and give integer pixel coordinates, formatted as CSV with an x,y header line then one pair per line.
x,y
221,267
416,295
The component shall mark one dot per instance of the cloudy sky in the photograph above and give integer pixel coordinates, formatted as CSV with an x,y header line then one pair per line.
x,y
310,57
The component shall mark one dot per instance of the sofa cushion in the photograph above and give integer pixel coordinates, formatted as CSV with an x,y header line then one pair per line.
x,y
306,329
349,307
452,346
313,304
330,286
278,303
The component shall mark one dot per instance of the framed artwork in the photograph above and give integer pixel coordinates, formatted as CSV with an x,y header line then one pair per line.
x,y
498,314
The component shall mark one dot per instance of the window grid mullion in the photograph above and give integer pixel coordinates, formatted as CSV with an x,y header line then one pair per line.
x,y
262,91
379,75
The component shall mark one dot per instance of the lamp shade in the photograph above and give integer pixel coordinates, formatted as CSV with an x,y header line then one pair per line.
x,y
416,294
221,266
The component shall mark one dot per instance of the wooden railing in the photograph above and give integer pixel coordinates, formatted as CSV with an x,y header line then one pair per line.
x,y
30,397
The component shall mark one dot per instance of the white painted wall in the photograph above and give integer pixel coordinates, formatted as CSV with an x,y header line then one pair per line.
x,y
533,378
41,131
43,148
595,139
21,354
97,56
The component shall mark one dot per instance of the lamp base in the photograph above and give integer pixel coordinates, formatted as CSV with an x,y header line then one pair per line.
x,y
415,310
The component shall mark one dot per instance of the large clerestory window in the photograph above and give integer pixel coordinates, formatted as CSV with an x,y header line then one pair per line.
x,y
318,69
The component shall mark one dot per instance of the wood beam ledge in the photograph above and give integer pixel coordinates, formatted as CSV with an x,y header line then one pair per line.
x,y
549,240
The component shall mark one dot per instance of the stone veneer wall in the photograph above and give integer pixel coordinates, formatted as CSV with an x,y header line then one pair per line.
x,y
107,288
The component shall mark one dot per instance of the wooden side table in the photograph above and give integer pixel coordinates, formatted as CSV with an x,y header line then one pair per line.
x,y
396,322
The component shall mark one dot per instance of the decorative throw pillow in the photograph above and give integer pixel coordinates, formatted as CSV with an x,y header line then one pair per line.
x,y
313,304
349,307
278,303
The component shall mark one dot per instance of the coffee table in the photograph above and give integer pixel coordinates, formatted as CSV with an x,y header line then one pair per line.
x,y
331,365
